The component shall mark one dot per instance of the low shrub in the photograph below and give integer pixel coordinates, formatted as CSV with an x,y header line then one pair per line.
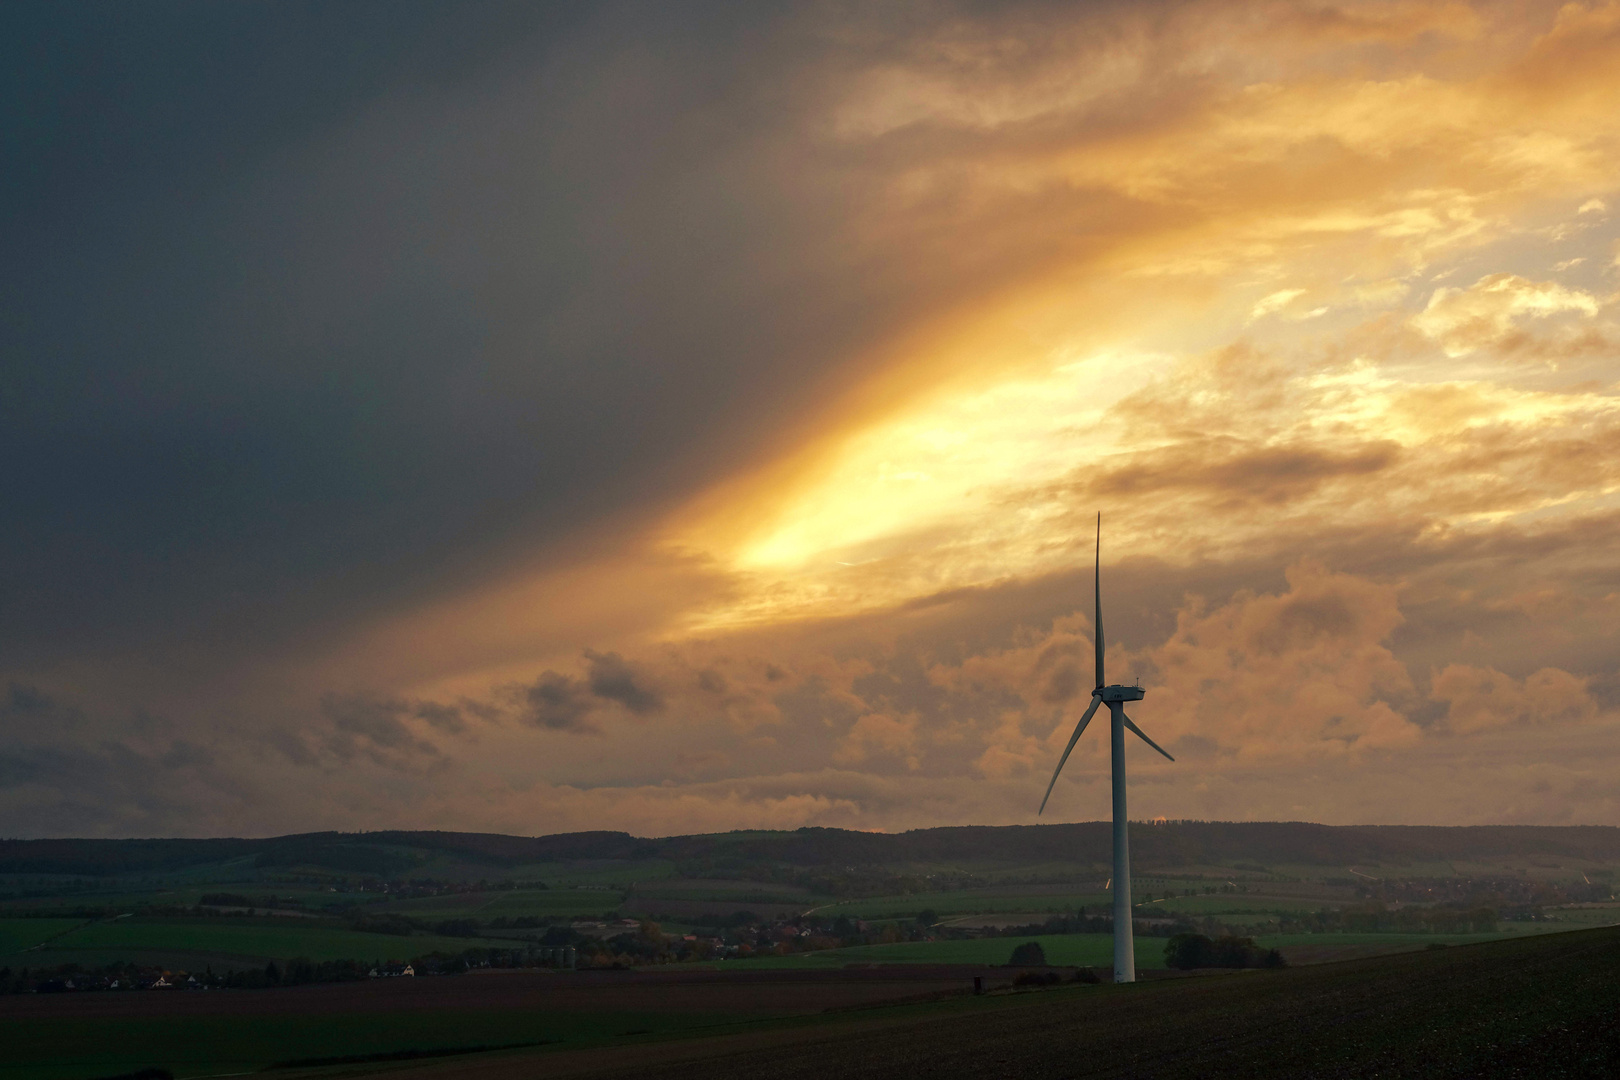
x,y
1187,951
1029,954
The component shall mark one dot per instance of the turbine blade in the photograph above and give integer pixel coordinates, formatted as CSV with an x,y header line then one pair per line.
x,y
1097,592
1078,730
1144,737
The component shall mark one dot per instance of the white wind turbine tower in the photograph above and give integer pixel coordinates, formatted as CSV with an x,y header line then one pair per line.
x,y
1115,698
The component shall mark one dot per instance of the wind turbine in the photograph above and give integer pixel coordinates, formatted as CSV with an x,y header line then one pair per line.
x,y
1115,698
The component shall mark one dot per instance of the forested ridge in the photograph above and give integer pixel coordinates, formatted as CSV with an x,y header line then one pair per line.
x,y
1157,845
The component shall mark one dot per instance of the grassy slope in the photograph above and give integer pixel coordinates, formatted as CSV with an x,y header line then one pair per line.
x,y
1538,1007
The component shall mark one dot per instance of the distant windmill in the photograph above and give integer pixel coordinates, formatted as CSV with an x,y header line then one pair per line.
x,y
1115,698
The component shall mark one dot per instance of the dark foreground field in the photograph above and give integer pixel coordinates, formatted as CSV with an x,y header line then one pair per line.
x,y
1538,1007
76,1036
1548,1007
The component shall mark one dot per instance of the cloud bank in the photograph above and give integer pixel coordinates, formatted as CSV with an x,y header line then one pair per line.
x,y
679,420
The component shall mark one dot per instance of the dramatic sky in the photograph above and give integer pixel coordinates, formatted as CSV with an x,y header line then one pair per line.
x,y
682,417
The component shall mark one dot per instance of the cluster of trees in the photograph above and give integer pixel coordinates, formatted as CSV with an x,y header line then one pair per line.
x,y
647,944
1187,951
1029,954
835,858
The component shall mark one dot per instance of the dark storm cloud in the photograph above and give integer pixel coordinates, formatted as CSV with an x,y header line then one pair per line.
x,y
560,703
1065,682
311,309
64,769
612,678
446,718
1273,474
358,721
27,711
563,703
24,704
164,453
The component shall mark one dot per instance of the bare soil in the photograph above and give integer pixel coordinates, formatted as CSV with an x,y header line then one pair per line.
x,y
742,993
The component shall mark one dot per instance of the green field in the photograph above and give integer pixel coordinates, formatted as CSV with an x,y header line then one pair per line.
x,y
17,935
126,899
139,939
612,873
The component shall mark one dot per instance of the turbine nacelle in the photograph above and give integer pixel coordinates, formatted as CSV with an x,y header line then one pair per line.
x,y
1120,693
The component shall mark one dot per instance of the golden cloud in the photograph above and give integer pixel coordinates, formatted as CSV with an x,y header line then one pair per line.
x,y
1463,320
1257,280
1479,699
